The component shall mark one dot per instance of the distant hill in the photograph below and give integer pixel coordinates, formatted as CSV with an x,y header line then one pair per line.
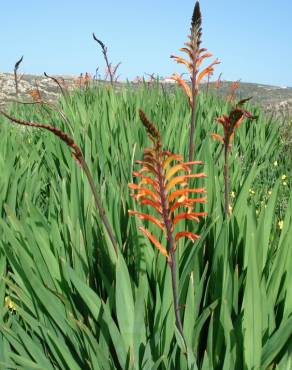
x,y
272,99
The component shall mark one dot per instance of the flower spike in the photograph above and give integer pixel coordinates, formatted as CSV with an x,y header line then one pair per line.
x,y
163,185
195,56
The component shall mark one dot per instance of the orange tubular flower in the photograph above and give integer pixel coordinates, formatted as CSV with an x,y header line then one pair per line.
x,y
163,185
231,122
36,95
196,56
232,89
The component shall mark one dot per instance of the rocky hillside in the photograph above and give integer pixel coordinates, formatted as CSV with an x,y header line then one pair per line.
x,y
47,87
272,99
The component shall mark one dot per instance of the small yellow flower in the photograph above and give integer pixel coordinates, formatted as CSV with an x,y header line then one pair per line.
x,y
257,211
251,191
281,224
232,194
270,192
283,177
276,163
284,183
230,209
9,303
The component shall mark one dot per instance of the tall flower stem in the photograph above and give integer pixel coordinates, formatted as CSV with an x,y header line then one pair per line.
x,y
196,33
98,204
172,265
226,182
193,117
16,80
164,187
170,241
230,123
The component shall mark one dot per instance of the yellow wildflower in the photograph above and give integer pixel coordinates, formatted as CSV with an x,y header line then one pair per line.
x,y
283,177
276,163
232,194
270,192
9,303
284,183
281,224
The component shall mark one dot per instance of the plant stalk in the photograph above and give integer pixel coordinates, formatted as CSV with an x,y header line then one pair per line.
x,y
194,107
170,247
172,265
104,52
226,182
17,64
99,206
16,83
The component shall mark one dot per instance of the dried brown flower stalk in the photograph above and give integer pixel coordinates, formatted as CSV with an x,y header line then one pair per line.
x,y
111,70
16,78
78,156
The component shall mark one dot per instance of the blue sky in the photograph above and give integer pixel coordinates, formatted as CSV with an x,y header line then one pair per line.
x,y
252,38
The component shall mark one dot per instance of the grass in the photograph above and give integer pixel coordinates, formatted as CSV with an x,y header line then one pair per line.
x,y
69,303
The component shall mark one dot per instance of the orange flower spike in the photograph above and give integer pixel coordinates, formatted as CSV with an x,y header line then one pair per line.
x,y
159,164
161,177
195,54
231,123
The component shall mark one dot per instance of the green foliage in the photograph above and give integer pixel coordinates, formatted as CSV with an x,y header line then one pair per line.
x,y
65,301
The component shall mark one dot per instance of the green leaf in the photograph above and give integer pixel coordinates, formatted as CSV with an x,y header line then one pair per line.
x,y
276,343
125,303
252,319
